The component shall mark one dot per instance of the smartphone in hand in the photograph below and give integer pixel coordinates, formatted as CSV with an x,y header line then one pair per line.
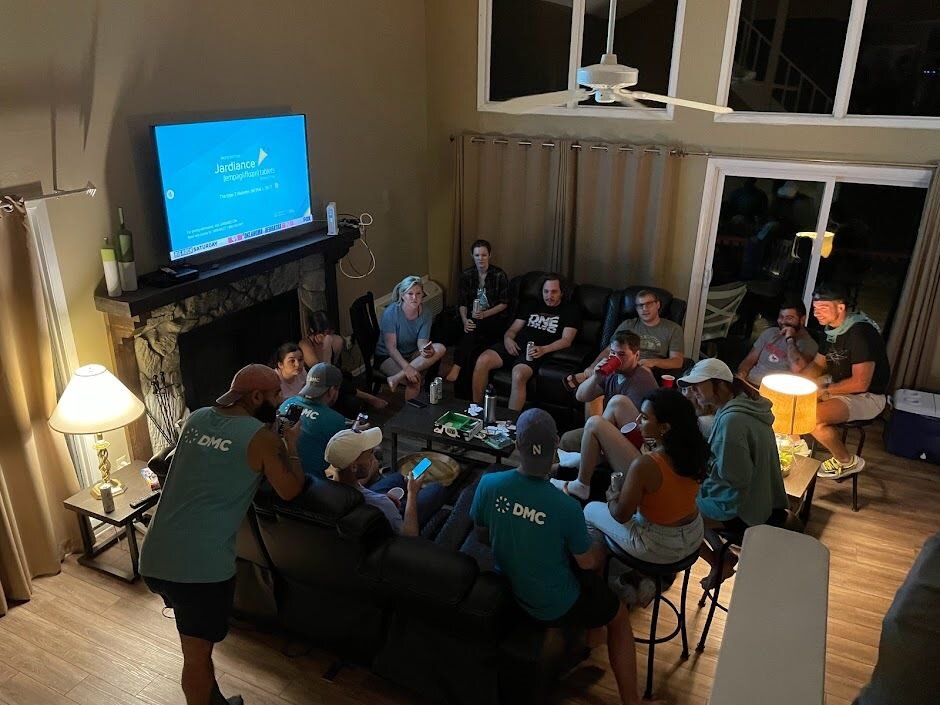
x,y
293,413
420,468
429,347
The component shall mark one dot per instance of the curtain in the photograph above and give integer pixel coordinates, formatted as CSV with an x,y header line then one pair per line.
x,y
509,191
36,473
619,229
913,344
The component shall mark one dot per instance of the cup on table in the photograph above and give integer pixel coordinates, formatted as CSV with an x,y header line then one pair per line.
x,y
633,434
668,381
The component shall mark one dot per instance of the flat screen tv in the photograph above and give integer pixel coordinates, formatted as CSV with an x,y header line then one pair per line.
x,y
226,182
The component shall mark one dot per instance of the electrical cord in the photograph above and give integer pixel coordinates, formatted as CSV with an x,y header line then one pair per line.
x,y
362,222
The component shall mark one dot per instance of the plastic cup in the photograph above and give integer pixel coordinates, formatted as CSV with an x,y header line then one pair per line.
x,y
633,434
668,381
397,494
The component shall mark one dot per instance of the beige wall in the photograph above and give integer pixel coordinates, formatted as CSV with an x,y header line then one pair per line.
x,y
452,75
102,69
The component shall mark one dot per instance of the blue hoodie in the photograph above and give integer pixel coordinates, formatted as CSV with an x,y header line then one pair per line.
x,y
744,478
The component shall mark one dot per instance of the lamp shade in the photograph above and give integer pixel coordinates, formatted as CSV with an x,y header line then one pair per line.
x,y
794,402
95,401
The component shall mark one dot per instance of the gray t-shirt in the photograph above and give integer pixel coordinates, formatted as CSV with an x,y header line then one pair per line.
x,y
407,333
385,505
772,355
656,342
635,385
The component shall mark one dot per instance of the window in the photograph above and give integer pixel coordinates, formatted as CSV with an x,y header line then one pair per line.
x,y
536,46
852,62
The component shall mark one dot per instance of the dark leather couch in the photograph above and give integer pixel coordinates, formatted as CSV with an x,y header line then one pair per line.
x,y
602,310
327,568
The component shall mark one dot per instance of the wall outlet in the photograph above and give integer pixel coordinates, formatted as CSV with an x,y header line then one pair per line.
x,y
122,462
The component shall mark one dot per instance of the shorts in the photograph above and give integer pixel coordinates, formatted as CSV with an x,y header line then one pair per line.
x,y
638,537
597,604
513,360
202,610
862,407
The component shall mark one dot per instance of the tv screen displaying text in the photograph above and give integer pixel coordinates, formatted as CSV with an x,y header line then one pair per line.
x,y
231,181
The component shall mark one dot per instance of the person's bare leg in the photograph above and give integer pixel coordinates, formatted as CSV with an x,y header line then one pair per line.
x,y
595,407
600,436
828,414
621,410
198,678
395,375
487,362
453,373
421,363
621,651
521,374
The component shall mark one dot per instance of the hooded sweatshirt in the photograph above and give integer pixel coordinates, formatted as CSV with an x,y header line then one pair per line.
x,y
744,478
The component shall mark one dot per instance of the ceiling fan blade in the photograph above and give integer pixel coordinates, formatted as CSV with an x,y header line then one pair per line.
x,y
528,103
642,95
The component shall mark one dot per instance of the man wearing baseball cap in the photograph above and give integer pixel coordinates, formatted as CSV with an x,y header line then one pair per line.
x,y
188,557
319,421
535,530
853,355
351,455
744,486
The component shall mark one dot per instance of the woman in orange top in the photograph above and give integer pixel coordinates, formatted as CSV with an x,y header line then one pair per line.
x,y
654,516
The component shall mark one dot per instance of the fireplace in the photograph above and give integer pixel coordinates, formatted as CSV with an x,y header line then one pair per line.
x,y
178,348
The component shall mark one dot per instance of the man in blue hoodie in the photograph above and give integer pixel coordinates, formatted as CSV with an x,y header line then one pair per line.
x,y
744,486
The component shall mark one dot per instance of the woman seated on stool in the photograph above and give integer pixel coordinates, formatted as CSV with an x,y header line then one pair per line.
x,y
654,517
322,344
404,349
485,323
289,365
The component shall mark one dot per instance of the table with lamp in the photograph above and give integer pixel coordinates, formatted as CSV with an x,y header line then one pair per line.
x,y
95,402
793,401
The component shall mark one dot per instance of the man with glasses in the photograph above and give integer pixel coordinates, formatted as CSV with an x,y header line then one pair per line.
x,y
855,362
661,340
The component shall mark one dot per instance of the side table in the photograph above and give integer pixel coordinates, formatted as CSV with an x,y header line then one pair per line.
x,y
123,516
800,484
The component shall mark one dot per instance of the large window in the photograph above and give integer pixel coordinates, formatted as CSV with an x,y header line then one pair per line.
x,y
536,46
863,62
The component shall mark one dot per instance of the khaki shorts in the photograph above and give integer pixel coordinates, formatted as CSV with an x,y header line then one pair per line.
x,y
864,406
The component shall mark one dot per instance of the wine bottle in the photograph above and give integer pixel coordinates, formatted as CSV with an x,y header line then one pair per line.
x,y
125,255
112,278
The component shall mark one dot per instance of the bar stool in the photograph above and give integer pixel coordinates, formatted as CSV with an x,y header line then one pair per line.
x,y
721,541
846,427
659,571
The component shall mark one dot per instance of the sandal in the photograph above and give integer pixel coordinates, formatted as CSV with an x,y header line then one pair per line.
x,y
571,382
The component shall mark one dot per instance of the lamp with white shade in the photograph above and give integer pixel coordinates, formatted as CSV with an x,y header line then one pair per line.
x,y
793,401
95,401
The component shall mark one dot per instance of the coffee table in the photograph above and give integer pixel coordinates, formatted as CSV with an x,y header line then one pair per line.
x,y
123,516
800,484
419,423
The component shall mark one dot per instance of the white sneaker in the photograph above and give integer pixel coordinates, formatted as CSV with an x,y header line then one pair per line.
x,y
801,448
569,459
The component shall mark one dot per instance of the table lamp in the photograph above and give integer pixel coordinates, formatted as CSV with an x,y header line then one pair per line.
x,y
96,401
794,407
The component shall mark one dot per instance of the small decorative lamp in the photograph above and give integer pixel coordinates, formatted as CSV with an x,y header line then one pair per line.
x,y
96,401
794,408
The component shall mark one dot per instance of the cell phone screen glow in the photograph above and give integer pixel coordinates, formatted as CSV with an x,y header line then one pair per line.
x,y
420,468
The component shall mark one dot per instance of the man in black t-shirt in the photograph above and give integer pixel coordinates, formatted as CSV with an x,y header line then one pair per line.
x,y
854,357
550,325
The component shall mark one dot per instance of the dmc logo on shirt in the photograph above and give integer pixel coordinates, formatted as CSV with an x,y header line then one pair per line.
x,y
222,444
532,515
310,414
546,323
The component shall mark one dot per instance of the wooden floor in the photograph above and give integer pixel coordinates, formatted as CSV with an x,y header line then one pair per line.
x,y
87,638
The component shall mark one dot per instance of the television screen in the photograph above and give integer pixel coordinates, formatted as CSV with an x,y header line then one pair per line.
x,y
230,181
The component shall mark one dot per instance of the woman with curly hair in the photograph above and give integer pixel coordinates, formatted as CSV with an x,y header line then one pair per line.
x,y
654,516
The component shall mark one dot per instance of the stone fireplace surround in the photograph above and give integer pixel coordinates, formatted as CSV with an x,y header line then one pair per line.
x,y
145,325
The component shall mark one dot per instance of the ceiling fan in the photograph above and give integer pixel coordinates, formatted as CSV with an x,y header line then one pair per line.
x,y
606,82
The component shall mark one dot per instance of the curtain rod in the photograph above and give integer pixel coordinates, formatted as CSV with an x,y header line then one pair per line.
x,y
89,189
680,152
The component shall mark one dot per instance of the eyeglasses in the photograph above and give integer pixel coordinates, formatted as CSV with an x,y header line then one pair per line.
x,y
645,304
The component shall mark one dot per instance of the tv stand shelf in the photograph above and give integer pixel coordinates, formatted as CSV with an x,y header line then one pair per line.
x,y
137,303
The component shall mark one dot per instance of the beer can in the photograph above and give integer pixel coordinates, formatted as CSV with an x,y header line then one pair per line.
x,y
529,348
107,499
616,481
476,306
436,393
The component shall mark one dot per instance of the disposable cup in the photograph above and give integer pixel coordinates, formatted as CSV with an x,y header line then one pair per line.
x,y
668,381
633,434
396,493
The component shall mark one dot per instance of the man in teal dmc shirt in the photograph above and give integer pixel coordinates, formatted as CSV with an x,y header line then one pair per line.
x,y
319,422
188,557
535,531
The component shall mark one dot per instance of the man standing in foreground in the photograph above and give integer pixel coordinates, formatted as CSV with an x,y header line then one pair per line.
x,y
854,357
535,531
188,557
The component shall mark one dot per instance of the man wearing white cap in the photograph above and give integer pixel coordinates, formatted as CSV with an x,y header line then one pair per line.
x,y
744,486
351,455
188,557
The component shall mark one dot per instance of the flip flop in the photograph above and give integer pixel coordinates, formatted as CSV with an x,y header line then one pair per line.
x,y
571,384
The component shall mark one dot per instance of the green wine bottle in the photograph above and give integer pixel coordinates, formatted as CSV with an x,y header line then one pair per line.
x,y
125,255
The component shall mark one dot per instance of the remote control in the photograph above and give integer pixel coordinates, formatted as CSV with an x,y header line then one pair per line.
x,y
143,499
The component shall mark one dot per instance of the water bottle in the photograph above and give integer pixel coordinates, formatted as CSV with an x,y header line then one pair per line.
x,y
436,392
489,404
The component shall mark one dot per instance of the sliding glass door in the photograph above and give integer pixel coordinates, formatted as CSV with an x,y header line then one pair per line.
x,y
770,231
